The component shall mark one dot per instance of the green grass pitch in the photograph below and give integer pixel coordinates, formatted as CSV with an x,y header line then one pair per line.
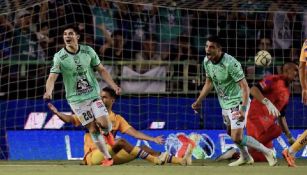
x,y
140,167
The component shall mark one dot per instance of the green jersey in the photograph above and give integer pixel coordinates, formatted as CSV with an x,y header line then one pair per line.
x,y
78,73
224,75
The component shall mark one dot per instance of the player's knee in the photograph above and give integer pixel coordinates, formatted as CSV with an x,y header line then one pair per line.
x,y
92,128
237,140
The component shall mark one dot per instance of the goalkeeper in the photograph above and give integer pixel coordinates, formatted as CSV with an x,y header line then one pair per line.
x,y
271,96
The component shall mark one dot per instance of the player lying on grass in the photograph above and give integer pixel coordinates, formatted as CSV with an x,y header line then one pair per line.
x,y
123,152
289,154
108,96
271,95
120,150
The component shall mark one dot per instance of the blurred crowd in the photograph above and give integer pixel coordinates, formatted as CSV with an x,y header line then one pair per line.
x,y
120,30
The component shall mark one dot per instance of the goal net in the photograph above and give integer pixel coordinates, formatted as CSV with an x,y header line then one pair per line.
x,y
153,50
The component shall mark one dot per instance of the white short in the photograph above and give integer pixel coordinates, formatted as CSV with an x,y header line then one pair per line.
x,y
230,120
88,110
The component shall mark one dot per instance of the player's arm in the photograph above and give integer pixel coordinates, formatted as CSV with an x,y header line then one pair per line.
x,y
125,127
302,75
284,126
204,92
140,135
50,85
107,77
65,118
245,97
256,93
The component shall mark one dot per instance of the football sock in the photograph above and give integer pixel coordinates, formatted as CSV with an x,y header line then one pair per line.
x,y
253,143
101,144
243,151
298,144
138,152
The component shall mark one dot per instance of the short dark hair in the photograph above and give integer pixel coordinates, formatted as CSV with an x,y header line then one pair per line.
x,y
111,92
72,26
215,39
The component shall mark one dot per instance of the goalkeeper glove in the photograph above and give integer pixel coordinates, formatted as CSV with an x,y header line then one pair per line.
x,y
271,108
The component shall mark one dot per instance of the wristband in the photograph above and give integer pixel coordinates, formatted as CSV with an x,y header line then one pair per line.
x,y
243,108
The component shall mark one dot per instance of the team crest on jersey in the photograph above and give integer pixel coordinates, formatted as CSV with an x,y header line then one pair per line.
x,y
83,85
99,104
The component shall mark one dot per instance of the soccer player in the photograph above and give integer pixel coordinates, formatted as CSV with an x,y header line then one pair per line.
x,y
108,96
76,63
225,74
123,152
271,95
289,154
302,72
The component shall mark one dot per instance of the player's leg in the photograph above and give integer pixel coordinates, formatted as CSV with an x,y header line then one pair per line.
x,y
264,130
289,154
150,151
245,158
86,116
102,120
101,116
245,140
134,151
122,157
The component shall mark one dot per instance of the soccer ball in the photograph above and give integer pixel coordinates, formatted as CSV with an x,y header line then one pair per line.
x,y
263,58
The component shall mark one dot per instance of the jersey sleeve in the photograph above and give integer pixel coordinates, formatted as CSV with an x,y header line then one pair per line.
x,y
236,71
265,84
303,56
56,68
123,124
95,61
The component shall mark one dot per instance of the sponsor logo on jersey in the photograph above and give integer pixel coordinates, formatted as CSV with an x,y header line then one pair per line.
x,y
63,56
99,104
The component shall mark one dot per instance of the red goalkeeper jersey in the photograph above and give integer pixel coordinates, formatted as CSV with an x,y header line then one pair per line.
x,y
275,88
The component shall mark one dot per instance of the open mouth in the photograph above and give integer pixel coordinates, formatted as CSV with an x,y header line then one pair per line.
x,y
68,41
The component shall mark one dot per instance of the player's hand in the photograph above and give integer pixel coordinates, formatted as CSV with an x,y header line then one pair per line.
x,y
52,108
159,140
117,90
196,105
271,108
239,115
47,96
304,96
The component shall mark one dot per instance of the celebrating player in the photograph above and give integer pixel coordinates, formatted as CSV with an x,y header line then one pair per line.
x,y
302,72
76,63
225,74
271,95
289,154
